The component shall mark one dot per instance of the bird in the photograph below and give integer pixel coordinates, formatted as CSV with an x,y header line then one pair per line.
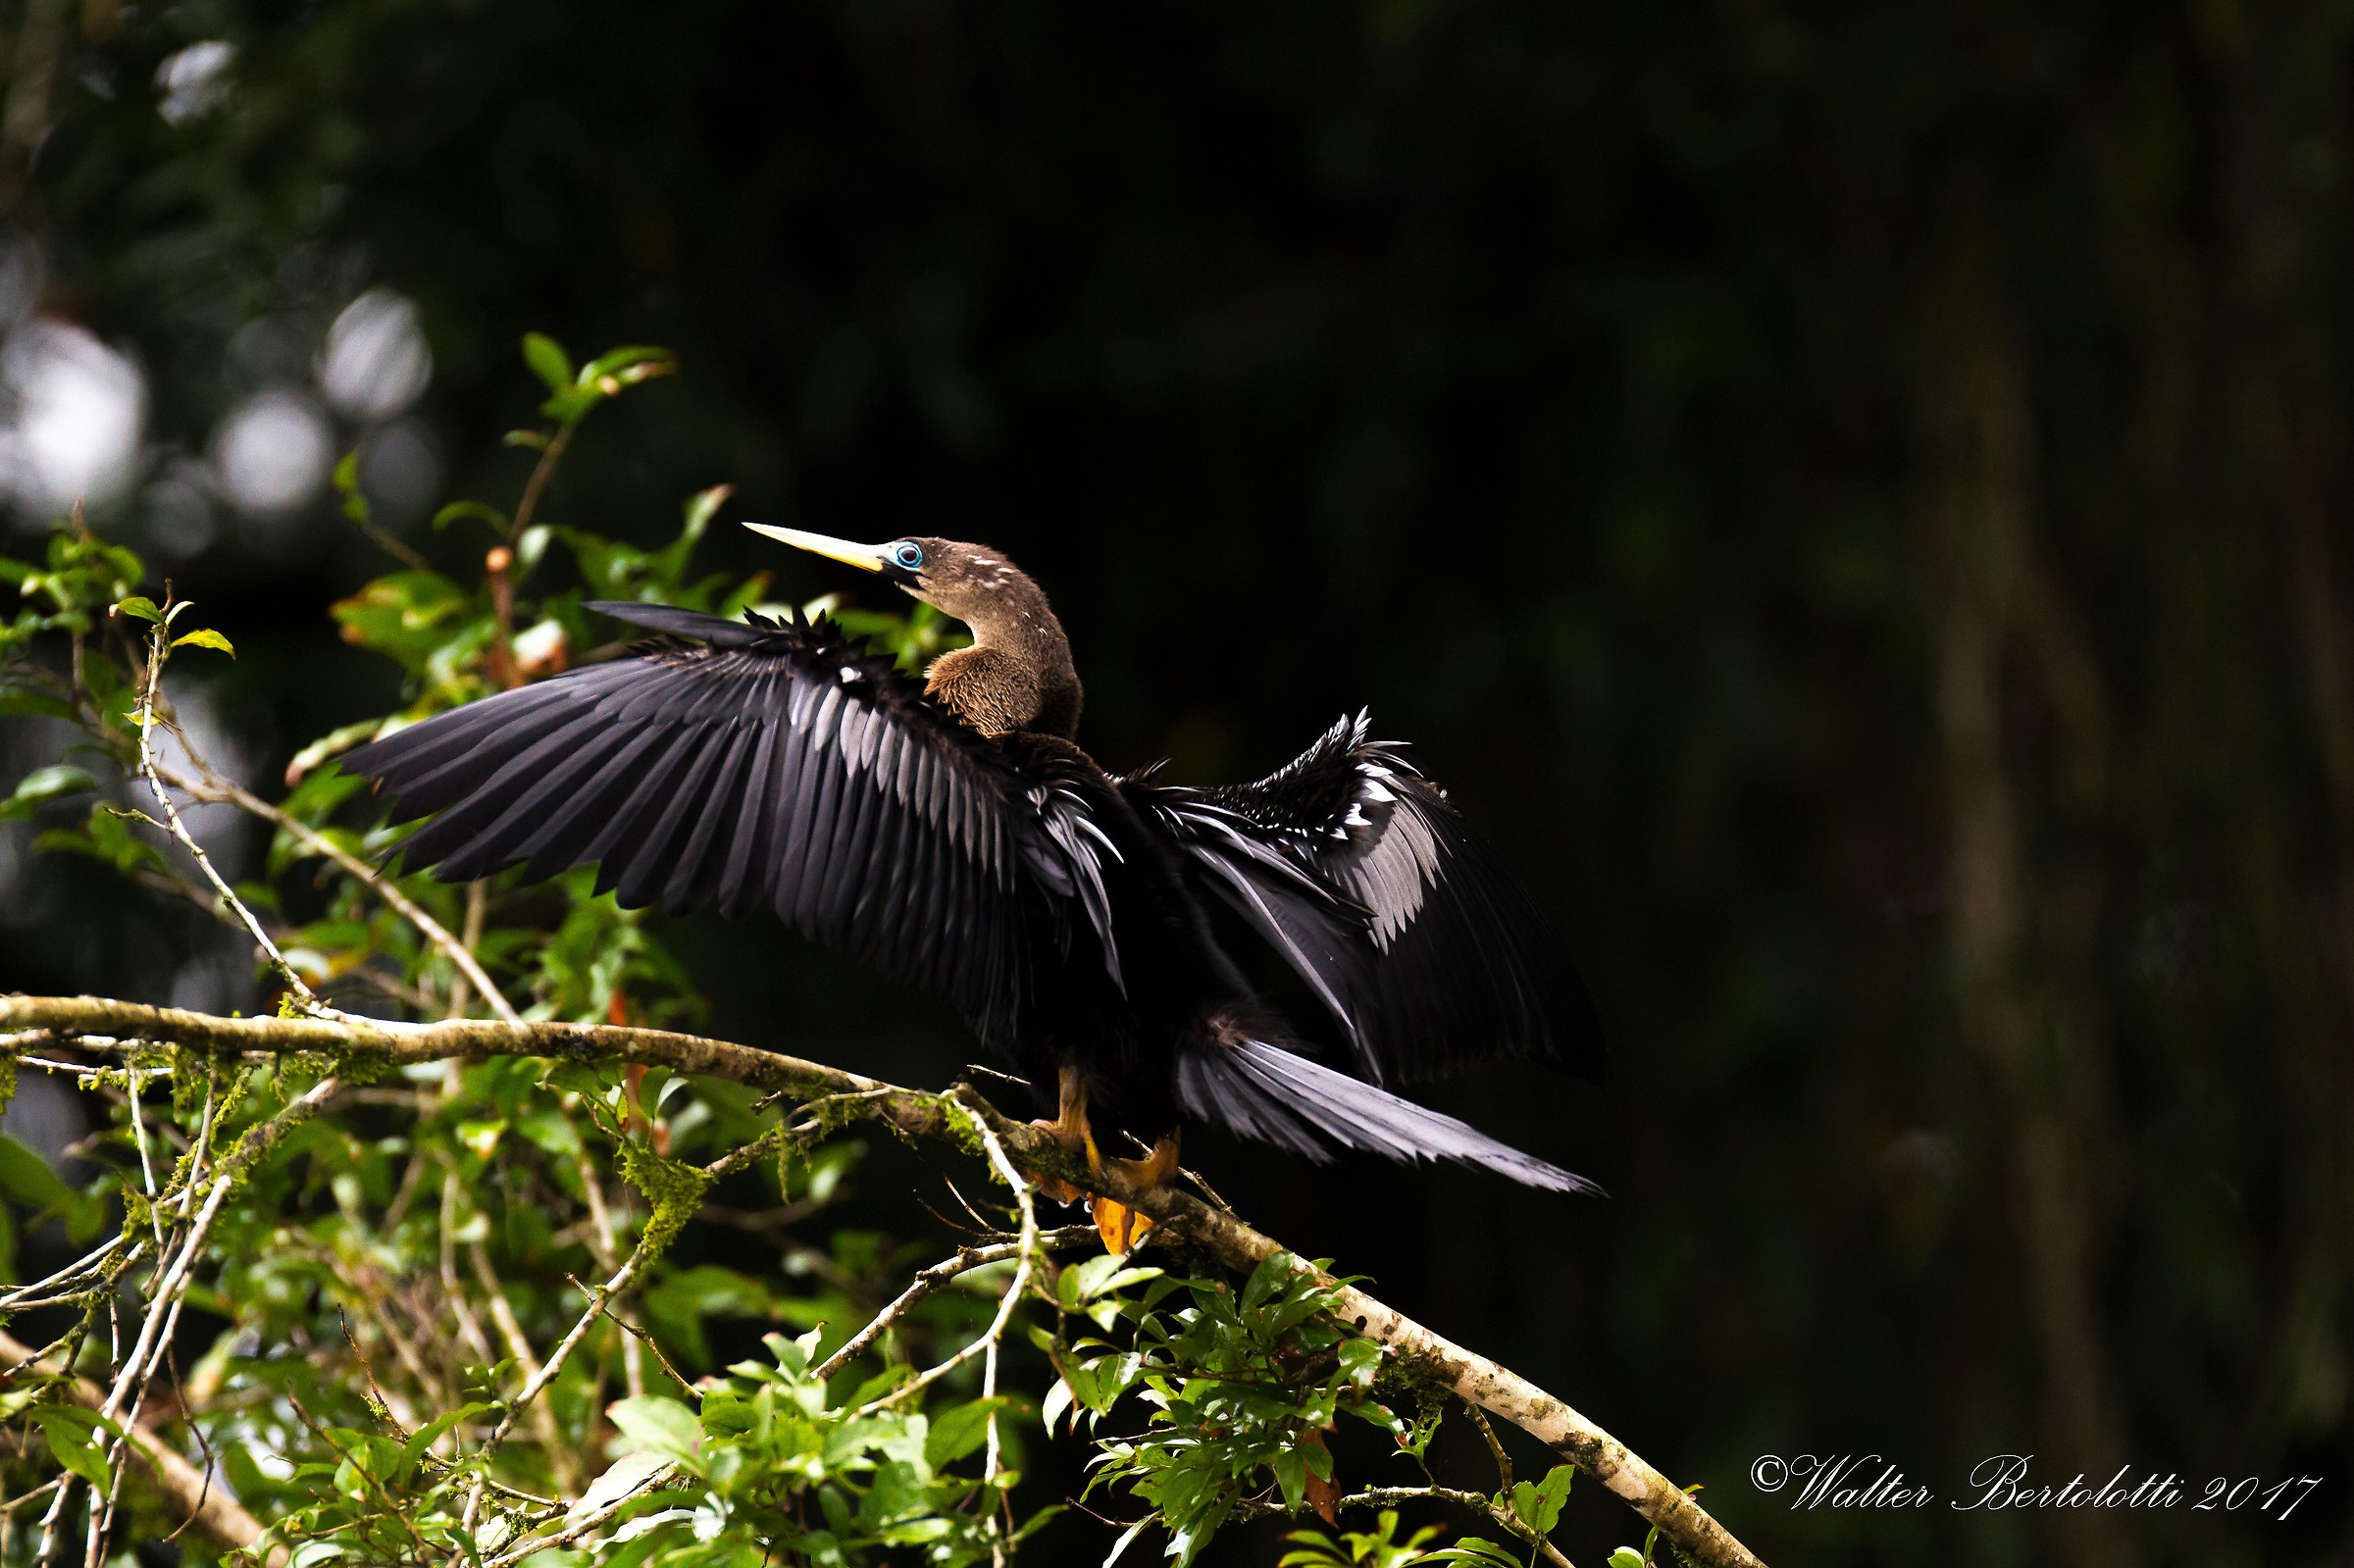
x,y
1097,928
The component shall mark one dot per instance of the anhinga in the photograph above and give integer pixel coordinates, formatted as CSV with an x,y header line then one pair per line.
x,y
952,834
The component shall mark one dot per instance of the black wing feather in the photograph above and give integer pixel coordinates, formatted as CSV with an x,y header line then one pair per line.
x,y
1355,868
762,764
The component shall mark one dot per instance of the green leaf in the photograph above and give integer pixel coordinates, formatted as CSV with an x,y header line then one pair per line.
x,y
680,1301
44,784
459,511
1128,1539
412,616
1290,1474
482,1136
140,605
1312,1549
105,834
566,406
627,366
21,699
702,507
205,638
626,1475
1052,1407
1539,1507
347,486
653,1424
547,361
72,1435
530,547
1626,1557
423,1437
1359,1359
326,747
26,1176
1267,1280
959,1432
1477,1550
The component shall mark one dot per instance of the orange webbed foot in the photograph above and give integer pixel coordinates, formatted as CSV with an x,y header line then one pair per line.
x,y
1120,1226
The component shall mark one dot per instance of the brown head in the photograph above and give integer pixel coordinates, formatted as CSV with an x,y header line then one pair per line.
x,y
1018,672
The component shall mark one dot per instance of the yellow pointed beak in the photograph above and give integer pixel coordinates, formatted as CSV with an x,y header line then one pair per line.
x,y
865,557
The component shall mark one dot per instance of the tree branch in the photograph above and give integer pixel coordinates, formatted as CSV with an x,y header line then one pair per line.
x,y
191,1494
211,787
931,1117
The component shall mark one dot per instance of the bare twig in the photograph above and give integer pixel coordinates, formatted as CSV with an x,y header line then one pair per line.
x,y
469,936
645,1338
1391,1497
542,472
1025,1258
564,1348
21,1298
173,1277
157,652
213,787
932,1279
1504,1463
138,1133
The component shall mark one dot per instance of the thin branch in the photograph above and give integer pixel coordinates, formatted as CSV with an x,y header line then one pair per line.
x,y
1504,1464
645,1338
564,1348
1025,1259
17,1299
469,936
1391,1497
542,472
157,653
575,1529
560,1457
213,788
932,1279
187,1490
938,1118
138,1133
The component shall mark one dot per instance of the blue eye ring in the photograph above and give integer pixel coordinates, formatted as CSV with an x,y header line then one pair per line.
x,y
907,555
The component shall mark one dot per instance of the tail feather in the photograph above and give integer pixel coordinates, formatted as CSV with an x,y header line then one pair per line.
x,y
1262,1092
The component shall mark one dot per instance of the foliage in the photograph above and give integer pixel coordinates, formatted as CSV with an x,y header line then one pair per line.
x,y
402,1314
1243,1387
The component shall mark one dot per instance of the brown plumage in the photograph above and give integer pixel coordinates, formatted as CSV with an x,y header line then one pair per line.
x,y
1018,672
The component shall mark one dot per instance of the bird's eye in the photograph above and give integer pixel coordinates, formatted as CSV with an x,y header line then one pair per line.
x,y
907,554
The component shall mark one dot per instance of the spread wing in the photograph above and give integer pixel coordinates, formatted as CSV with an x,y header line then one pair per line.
x,y
1358,871
764,764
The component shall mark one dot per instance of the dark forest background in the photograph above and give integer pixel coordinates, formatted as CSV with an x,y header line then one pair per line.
x,y
1850,497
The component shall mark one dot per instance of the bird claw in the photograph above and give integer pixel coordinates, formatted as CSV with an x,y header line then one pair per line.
x,y
1077,1140
1069,1129
1120,1227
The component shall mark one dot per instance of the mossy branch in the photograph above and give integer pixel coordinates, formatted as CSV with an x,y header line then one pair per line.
x,y
915,1114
